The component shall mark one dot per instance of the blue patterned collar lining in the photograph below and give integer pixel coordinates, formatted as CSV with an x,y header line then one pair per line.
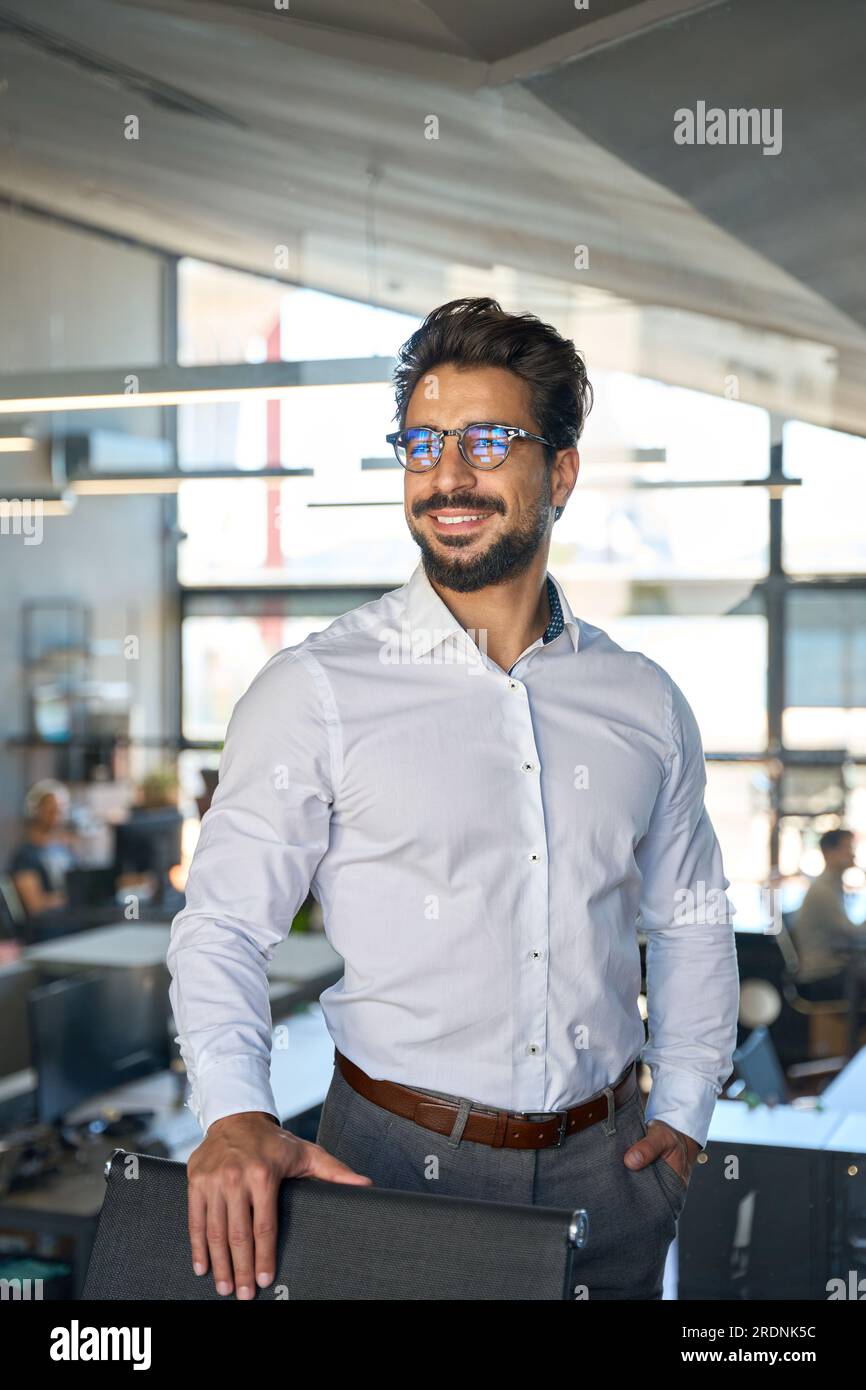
x,y
556,624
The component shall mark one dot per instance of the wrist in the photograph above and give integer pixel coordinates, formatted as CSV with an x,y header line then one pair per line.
x,y
226,1121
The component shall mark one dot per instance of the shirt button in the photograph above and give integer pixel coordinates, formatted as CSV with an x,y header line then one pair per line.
x,y
535,955
533,1049
534,858
513,685
527,767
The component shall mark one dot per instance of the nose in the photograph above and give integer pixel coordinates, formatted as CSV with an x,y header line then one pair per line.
x,y
452,473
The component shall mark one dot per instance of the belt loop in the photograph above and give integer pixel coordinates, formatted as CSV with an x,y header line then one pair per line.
x,y
460,1123
610,1122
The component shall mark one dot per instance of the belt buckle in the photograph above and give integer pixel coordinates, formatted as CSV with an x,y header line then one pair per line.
x,y
563,1123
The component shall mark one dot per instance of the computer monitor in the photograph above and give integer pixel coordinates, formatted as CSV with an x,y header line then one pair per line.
x,y
90,1033
757,1064
149,842
86,887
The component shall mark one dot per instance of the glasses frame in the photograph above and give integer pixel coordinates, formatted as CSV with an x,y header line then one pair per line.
x,y
513,432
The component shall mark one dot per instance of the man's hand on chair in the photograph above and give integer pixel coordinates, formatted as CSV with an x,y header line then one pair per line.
x,y
234,1179
664,1142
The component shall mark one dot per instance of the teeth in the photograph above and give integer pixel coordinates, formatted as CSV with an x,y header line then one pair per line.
x,y
454,520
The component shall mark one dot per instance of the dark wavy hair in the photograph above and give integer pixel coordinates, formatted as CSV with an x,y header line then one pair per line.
x,y
479,333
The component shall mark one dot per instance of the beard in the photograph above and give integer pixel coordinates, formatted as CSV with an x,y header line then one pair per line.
x,y
505,559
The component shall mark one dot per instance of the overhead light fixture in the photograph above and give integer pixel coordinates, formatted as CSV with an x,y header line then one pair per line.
x,y
118,487
124,484
17,444
139,400
138,388
43,506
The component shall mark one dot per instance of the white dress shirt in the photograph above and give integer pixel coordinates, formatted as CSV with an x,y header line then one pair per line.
x,y
484,845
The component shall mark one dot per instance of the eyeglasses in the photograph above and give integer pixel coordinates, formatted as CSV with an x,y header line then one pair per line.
x,y
482,445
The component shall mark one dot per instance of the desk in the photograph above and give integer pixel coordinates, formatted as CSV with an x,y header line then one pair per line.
x,y
67,1204
775,1203
847,1091
306,959
778,1126
308,962
303,966
130,945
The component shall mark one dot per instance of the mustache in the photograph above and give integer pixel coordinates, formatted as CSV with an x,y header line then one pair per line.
x,y
472,504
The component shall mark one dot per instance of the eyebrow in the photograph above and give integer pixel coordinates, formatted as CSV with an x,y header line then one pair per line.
x,y
465,425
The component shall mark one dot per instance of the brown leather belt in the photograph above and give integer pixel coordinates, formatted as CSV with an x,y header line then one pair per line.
x,y
500,1128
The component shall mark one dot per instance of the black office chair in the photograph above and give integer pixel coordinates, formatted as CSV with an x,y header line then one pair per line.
x,y
337,1242
784,938
814,1009
14,922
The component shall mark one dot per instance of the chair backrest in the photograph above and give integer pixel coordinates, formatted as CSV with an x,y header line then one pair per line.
x,y
785,939
17,979
337,1242
13,917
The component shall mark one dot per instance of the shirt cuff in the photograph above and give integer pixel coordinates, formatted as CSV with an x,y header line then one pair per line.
x,y
232,1087
682,1100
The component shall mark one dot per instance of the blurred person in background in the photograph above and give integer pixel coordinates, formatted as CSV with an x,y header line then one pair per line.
x,y
148,842
41,861
824,934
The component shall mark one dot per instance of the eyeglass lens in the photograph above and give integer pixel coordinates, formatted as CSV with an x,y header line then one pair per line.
x,y
486,446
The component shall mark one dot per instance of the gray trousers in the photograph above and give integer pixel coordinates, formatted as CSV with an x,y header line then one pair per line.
x,y
632,1215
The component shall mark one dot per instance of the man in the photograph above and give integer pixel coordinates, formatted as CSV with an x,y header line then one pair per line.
x,y
823,932
487,796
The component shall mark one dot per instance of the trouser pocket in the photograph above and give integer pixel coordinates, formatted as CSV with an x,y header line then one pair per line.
x,y
670,1183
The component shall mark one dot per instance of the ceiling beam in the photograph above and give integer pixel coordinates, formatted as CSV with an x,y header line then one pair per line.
x,y
590,36
129,387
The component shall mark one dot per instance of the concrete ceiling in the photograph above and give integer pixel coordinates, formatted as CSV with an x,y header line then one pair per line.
x,y
805,208
307,128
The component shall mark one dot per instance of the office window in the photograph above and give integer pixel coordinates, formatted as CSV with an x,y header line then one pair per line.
x,y
231,316
220,658
719,663
824,531
228,637
628,533
344,524
621,522
738,802
812,800
825,670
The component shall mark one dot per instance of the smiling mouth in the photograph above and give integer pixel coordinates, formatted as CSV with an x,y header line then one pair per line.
x,y
456,522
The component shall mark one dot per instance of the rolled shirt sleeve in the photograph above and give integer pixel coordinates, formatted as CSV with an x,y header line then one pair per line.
x,y
692,977
261,841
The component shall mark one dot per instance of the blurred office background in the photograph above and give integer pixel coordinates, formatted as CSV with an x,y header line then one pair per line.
x,y
259,206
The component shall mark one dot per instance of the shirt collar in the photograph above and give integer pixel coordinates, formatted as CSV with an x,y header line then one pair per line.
x,y
556,623
432,622
569,621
